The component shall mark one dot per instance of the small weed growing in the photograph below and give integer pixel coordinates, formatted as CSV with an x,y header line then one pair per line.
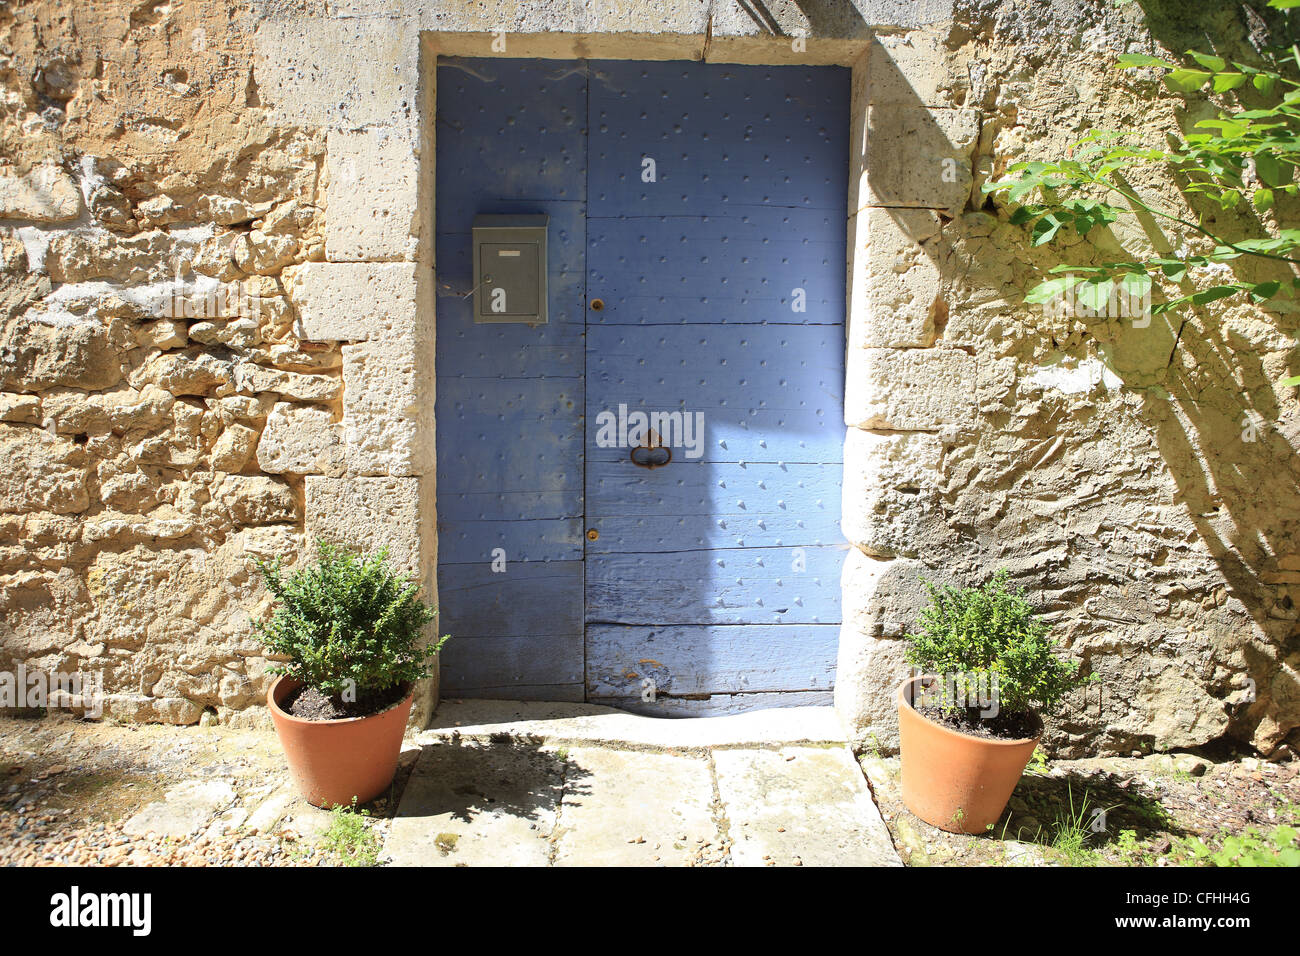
x,y
349,839
1073,831
1037,763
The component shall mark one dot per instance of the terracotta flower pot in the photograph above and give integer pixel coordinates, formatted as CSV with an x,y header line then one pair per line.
x,y
333,761
951,780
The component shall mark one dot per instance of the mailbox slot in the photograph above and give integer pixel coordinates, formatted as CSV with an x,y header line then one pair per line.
x,y
510,269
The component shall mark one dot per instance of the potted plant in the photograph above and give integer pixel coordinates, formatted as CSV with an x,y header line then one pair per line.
x,y
349,631
968,717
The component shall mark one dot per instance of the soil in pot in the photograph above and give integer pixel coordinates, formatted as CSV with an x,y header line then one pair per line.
x,y
969,721
308,703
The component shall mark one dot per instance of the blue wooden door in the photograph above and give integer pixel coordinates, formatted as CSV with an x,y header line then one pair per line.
x,y
697,280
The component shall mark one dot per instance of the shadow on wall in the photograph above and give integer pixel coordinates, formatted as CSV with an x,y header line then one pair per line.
x,y
1230,444
1143,483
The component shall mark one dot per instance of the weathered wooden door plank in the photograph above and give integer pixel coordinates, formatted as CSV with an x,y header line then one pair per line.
x,y
716,586
718,659
511,139
699,504
767,266
722,137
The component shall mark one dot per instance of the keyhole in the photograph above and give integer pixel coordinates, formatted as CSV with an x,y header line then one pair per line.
x,y
597,305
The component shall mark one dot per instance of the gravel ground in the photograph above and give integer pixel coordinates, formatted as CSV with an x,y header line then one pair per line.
x,y
68,789
52,840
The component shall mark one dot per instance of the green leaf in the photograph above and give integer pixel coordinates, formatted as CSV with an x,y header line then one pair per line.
x,y
1284,4
1264,290
1215,64
1135,286
1223,82
1228,128
1046,291
1095,294
1185,80
1273,171
1021,187
1129,60
1272,244
1263,199
1293,380
1173,269
1213,294
1225,253
1266,83
1046,229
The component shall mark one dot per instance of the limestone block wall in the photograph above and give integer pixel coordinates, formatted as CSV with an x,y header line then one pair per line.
x,y
212,347
1139,480
284,148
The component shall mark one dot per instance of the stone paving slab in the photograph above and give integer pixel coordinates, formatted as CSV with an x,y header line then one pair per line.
x,y
629,808
497,789
187,808
477,805
578,724
801,806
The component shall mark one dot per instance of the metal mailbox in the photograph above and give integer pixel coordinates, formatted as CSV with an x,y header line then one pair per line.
x,y
510,269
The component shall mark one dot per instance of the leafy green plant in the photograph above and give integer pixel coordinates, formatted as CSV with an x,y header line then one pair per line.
x,y
1246,155
1037,763
347,623
990,637
1278,847
348,839
1132,851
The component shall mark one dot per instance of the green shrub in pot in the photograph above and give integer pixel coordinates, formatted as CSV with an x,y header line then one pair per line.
x,y
348,622
991,636
350,633
965,743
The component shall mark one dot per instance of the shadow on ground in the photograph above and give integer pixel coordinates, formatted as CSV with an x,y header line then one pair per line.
x,y
508,775
1044,808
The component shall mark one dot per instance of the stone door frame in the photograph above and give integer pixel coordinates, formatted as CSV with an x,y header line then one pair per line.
x,y
368,80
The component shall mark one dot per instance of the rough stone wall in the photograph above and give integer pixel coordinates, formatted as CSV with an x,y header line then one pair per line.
x,y
148,411
1140,482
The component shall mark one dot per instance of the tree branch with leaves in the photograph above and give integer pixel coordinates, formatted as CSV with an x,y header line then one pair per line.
x,y
1241,156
